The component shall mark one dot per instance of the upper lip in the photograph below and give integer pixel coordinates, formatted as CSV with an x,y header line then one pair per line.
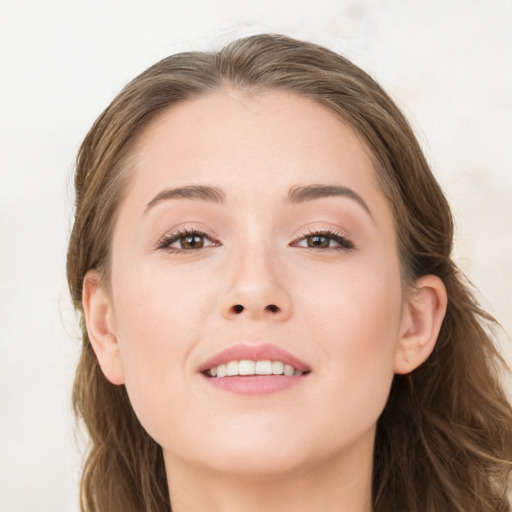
x,y
259,352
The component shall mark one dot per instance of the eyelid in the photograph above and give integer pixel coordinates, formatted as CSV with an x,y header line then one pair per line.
x,y
175,234
345,243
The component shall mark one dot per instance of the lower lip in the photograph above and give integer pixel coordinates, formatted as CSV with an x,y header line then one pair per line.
x,y
255,385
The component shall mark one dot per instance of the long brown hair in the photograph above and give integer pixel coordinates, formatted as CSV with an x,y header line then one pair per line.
x,y
444,439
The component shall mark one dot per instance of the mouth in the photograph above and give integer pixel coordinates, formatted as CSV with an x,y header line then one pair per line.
x,y
254,370
248,368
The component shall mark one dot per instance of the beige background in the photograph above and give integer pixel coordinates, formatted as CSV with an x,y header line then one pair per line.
x,y
446,62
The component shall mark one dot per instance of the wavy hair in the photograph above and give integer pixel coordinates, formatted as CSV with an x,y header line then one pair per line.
x,y
444,439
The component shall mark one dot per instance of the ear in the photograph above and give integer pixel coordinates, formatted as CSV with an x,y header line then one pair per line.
x,y
99,321
421,322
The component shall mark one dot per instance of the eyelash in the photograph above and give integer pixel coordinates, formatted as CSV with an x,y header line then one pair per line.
x,y
166,241
344,243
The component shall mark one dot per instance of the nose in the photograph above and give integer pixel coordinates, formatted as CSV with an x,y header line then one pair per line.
x,y
257,288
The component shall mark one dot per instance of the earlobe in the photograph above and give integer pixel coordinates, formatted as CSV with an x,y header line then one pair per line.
x,y
422,318
99,321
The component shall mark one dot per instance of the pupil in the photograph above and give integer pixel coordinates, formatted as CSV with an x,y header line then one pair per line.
x,y
192,242
318,241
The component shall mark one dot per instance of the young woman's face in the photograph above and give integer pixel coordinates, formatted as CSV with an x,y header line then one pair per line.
x,y
254,229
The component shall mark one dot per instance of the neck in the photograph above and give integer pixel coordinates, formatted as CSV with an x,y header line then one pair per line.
x,y
328,487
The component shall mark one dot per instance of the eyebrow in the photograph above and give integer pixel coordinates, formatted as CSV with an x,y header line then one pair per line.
x,y
301,194
296,195
202,192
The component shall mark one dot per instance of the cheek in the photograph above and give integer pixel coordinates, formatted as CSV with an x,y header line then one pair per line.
x,y
158,324
356,320
156,308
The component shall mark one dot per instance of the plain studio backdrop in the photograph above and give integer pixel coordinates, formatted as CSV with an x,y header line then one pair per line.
x,y
446,62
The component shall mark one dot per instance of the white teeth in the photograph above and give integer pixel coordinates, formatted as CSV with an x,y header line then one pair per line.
x,y
232,368
263,368
289,370
248,367
277,367
221,370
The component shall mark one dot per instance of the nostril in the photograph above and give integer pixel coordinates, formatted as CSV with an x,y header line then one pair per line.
x,y
238,308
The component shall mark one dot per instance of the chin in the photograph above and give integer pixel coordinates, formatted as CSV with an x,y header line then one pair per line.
x,y
245,452
265,455
251,461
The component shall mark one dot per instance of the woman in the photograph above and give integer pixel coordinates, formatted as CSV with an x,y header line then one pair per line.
x,y
271,316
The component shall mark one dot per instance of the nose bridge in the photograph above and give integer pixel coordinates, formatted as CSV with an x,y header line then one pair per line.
x,y
256,285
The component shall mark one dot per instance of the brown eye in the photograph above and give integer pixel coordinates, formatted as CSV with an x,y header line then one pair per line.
x,y
193,241
324,240
318,241
186,241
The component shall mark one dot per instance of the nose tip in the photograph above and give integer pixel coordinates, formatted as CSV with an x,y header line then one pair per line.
x,y
256,285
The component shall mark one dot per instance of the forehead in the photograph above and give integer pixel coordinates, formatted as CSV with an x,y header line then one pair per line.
x,y
268,138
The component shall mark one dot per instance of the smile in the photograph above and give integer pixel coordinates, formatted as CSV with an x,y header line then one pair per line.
x,y
248,367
